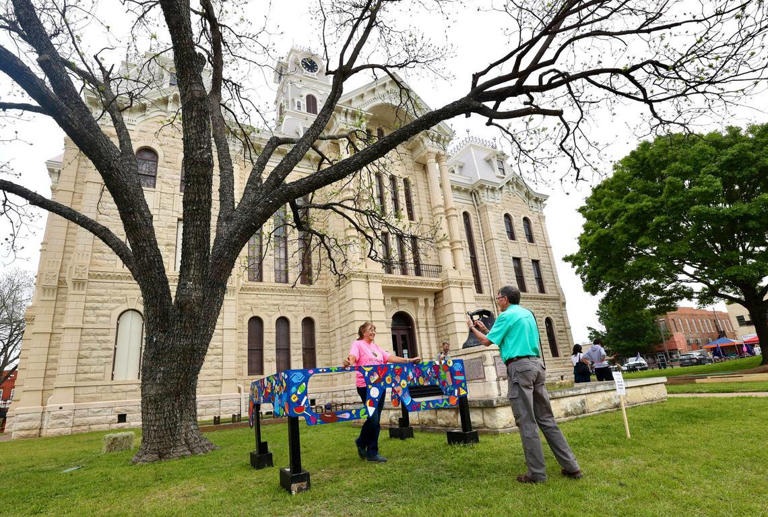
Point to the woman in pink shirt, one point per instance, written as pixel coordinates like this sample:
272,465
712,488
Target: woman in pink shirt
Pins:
364,352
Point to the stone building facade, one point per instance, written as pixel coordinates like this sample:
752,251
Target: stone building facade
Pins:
80,363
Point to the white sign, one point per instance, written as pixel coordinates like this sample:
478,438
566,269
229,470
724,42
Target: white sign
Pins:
619,380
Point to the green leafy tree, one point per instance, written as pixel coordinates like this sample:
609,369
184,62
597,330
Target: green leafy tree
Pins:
630,326
684,216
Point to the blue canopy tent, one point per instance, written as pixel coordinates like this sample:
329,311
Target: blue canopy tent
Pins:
720,343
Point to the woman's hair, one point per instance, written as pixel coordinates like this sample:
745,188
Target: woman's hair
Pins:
363,328
576,349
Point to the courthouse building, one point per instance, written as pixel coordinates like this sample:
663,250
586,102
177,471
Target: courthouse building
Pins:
81,355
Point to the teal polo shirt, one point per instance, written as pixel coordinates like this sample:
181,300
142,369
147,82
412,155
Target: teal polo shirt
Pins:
515,332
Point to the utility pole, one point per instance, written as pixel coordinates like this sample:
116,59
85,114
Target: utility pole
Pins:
720,331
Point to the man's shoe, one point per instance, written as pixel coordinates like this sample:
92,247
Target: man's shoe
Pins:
573,475
360,450
378,458
524,478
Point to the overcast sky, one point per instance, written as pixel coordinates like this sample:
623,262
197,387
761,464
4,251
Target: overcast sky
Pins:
474,36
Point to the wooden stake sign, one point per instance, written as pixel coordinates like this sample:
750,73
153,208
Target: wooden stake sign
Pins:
621,389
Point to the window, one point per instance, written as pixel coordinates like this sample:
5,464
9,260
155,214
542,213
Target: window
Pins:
308,354
311,104
401,255
528,230
298,105
181,180
500,165
472,253
743,321
255,258
394,195
537,275
281,246
283,344
179,239
380,193
674,322
146,162
508,226
379,133
551,337
173,80
255,346
408,199
518,266
386,251
305,246
126,362
416,257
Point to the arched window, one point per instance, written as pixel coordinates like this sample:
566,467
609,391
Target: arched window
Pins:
283,344
255,346
126,363
394,195
472,253
305,245
408,199
528,230
508,225
298,105
380,193
255,258
308,354
281,246
311,104
146,161
551,338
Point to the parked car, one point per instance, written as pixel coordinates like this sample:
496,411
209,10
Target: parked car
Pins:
693,359
634,365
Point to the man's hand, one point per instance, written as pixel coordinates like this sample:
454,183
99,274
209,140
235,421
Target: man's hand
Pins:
479,325
416,359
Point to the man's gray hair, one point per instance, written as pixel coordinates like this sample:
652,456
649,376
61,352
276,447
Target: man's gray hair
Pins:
511,293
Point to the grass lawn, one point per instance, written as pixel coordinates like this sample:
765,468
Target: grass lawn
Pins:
686,457
717,387
733,365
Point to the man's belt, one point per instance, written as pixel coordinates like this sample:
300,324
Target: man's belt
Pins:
513,359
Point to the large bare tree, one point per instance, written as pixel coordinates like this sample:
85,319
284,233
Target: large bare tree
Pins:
561,60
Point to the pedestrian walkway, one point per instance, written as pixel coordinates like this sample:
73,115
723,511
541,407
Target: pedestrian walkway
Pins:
736,394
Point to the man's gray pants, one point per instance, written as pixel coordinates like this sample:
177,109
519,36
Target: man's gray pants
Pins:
530,405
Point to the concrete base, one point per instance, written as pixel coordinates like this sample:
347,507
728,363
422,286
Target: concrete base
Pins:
294,483
462,438
402,433
494,415
260,460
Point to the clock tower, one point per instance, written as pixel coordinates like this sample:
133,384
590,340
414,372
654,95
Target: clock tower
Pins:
302,88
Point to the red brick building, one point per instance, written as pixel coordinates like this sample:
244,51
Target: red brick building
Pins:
6,395
691,329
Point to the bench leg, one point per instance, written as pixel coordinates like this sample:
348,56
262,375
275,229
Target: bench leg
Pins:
294,479
261,457
466,435
404,430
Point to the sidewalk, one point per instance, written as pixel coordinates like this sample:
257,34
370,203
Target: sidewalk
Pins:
742,394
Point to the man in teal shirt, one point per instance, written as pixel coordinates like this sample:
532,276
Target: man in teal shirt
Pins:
517,336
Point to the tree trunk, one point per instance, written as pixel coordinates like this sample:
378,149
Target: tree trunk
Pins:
758,313
169,395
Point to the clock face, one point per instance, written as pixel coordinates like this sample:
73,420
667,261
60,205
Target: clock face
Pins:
309,65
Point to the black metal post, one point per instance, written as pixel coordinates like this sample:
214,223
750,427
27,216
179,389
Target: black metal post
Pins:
404,429
261,457
466,435
293,478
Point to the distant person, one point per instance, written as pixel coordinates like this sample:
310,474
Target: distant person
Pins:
364,352
581,371
517,335
597,356
443,356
